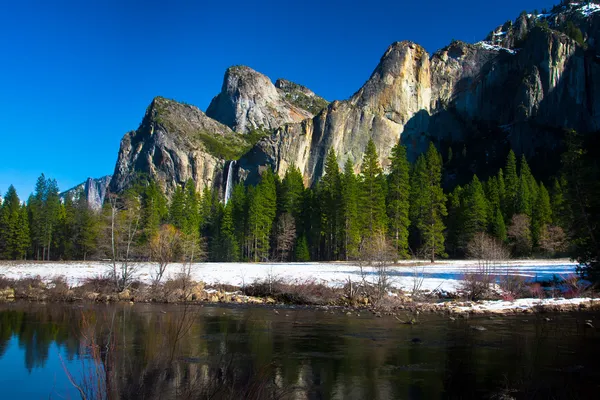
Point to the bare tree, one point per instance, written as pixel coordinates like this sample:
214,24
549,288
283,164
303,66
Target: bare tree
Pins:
553,239
519,233
124,217
489,253
192,250
285,236
164,247
377,254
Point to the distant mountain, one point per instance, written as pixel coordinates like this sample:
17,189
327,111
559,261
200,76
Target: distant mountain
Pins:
94,189
520,88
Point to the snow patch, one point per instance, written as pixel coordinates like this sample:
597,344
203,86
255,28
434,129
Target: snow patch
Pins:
589,9
489,46
442,276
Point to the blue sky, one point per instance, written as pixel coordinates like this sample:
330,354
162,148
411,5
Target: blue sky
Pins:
76,75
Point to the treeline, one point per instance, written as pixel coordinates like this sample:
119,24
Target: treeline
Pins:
280,219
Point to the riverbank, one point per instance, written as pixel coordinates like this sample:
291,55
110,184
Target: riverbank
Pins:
337,286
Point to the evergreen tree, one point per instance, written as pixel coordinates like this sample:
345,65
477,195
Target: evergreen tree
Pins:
191,211
398,199
475,210
511,180
239,215
177,214
210,217
498,226
9,224
455,233
35,206
429,203
350,214
86,228
501,187
292,191
527,192
51,213
372,194
22,242
261,214
154,210
542,215
229,247
302,253
329,189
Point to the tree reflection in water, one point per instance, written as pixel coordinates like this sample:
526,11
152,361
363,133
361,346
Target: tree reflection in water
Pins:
189,352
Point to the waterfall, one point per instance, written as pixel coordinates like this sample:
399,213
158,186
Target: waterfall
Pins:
229,184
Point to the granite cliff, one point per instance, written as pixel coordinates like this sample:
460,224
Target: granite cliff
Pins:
520,88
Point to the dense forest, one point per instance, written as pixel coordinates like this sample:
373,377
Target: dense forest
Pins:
281,220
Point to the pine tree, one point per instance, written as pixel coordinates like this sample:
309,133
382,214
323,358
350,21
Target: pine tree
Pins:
498,226
302,253
22,242
154,210
398,199
430,204
292,191
229,246
455,220
191,211
329,192
350,215
475,210
177,216
418,199
501,187
511,180
542,215
261,214
524,202
9,224
372,194
86,228
52,215
528,189
239,214
35,206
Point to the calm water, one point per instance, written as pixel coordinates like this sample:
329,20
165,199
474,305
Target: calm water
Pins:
158,352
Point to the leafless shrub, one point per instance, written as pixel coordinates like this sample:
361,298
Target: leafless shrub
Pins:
519,234
553,240
513,286
376,254
574,286
165,246
418,276
99,284
489,253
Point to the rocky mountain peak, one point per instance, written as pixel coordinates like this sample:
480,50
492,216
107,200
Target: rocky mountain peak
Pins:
176,142
249,101
400,85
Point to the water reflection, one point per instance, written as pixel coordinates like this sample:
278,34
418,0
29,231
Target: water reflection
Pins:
158,352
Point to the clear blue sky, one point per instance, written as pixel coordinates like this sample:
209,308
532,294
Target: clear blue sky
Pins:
76,75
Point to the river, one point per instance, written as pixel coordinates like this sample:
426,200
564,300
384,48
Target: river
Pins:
171,351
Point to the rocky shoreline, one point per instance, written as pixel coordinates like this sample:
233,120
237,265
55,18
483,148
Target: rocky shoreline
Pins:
334,300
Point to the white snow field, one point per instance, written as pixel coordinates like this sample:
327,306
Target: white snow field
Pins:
443,275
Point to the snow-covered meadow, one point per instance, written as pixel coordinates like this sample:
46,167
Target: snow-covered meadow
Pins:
443,275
